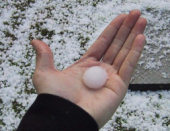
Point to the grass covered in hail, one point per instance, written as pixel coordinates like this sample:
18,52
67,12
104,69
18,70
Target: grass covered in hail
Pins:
70,27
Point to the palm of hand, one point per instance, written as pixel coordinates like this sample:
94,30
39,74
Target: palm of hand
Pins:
102,103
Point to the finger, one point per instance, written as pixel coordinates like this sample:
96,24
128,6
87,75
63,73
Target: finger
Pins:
104,40
130,61
121,36
44,56
138,29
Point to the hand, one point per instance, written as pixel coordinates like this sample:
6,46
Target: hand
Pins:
119,46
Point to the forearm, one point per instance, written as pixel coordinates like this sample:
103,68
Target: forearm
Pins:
53,113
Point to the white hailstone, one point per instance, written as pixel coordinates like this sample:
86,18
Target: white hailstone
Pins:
95,77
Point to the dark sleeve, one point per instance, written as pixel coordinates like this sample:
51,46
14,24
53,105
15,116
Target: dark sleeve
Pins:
53,113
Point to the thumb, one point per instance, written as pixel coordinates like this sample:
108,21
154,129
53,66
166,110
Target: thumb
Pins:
44,56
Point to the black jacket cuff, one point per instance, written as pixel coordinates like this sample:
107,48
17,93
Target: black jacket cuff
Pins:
53,113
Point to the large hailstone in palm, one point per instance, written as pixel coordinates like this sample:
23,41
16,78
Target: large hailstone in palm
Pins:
95,77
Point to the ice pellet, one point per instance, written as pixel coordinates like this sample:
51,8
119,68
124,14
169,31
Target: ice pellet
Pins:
95,77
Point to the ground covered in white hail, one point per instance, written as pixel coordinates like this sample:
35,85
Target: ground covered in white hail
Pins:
70,27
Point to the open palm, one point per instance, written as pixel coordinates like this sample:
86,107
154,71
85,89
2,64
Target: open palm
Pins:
117,50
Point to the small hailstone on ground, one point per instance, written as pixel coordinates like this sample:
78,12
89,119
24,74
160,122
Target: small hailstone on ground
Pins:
95,77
